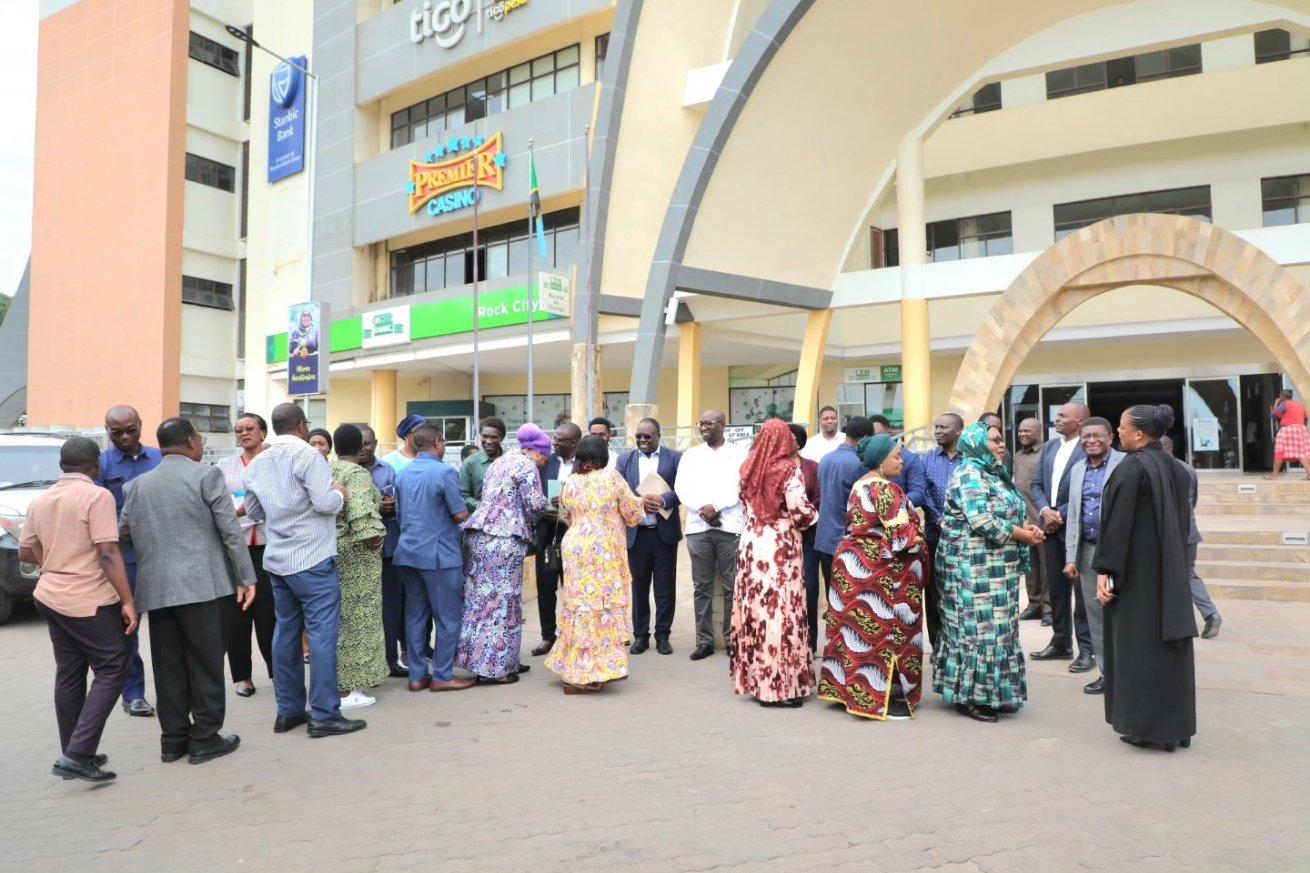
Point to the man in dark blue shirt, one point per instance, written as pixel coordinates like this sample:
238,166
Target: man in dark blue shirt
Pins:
938,465
393,593
429,557
122,462
838,472
914,482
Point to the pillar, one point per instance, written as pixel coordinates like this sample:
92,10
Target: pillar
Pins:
811,368
635,413
382,407
689,410
586,400
916,348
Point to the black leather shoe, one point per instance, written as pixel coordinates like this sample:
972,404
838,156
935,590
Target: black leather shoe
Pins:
66,768
100,759
139,707
1033,611
223,746
543,647
1046,621
1053,653
334,726
1097,687
1084,662
639,646
662,646
168,756
284,723
702,652
398,672
975,712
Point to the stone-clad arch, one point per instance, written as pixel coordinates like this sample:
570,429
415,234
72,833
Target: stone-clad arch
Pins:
1183,253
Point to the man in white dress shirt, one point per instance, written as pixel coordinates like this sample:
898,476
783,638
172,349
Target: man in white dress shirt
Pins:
828,437
708,485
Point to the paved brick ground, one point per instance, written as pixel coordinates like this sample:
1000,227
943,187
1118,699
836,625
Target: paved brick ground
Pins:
671,771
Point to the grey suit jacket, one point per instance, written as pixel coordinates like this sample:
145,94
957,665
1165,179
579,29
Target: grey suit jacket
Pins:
189,549
1073,527
1193,535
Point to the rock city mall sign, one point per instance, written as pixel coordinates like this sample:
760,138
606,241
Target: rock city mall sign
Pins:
445,184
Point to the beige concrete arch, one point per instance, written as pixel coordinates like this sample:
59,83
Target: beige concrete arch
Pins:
1189,255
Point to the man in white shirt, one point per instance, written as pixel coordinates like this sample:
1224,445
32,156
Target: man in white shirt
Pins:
709,486
826,439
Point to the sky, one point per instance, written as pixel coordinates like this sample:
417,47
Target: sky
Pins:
18,19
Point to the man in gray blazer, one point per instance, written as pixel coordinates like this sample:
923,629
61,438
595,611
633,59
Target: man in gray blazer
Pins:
1082,529
1200,594
191,558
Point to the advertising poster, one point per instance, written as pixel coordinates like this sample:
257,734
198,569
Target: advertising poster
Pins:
307,350
286,120
1205,434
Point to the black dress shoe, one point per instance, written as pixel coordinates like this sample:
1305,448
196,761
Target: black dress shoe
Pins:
792,703
1033,611
67,768
977,713
662,646
100,759
223,746
1046,621
139,708
284,723
702,652
398,672
543,647
639,646
168,756
1097,687
1084,662
332,727
1052,653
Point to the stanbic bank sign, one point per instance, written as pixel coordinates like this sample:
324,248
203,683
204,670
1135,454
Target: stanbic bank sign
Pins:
447,20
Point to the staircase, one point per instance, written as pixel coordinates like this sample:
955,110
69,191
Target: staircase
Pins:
1257,537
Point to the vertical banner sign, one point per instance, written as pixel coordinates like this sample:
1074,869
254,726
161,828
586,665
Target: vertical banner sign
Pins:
286,120
307,339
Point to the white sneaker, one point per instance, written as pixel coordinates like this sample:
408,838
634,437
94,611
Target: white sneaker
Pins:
357,700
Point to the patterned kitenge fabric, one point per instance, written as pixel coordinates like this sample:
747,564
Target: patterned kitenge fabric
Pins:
979,563
495,542
596,597
770,646
875,603
361,650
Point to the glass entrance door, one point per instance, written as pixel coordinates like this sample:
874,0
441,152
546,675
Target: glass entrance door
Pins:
1055,396
1214,423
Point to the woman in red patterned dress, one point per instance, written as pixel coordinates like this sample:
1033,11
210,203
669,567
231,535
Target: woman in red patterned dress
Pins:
873,662
770,647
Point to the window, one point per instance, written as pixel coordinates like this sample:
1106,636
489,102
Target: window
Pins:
978,236
530,81
241,309
216,55
245,85
1279,45
1183,60
207,292
1177,201
210,172
245,187
985,99
1286,200
208,417
502,251
602,49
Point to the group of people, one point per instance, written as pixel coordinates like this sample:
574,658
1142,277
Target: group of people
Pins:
366,568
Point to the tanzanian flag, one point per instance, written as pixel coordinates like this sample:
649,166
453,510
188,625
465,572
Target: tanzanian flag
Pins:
534,204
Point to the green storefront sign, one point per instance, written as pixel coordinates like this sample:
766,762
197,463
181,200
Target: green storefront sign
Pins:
502,308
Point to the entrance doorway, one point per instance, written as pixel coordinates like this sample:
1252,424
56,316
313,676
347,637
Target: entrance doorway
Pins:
1110,399
1258,394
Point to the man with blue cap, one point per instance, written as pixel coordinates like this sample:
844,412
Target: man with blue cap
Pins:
405,452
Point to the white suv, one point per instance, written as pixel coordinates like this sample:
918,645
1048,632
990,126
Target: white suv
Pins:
29,465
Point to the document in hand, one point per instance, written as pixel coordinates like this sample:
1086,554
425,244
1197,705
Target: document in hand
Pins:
654,485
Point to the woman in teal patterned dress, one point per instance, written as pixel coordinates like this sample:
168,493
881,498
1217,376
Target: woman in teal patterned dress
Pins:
361,650
983,550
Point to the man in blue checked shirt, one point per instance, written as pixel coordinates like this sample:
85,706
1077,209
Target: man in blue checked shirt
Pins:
938,465
393,592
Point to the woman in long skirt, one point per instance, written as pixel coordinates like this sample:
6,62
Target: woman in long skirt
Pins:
496,538
873,662
770,650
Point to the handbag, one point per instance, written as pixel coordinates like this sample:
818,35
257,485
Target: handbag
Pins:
551,559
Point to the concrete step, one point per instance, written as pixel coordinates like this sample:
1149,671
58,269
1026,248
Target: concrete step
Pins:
1246,590
1240,537
1271,509
1210,550
1232,498
1236,485
1270,571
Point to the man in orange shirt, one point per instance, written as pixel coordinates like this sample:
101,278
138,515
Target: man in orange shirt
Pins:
72,532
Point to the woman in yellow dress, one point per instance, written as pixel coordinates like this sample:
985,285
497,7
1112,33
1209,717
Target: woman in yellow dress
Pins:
596,597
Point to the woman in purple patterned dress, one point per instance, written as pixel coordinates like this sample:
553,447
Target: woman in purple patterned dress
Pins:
496,541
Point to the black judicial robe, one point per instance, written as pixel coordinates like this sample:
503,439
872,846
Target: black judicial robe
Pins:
1150,678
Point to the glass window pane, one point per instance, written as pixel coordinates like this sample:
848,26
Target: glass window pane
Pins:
566,80
417,131
567,56
436,273
399,119
543,87
457,269
1059,80
1284,186
1001,245
495,82
566,246
518,257
519,74
437,105
497,261
418,273
454,117
544,65
476,108
1150,65
1129,203
1185,57
519,95
1280,213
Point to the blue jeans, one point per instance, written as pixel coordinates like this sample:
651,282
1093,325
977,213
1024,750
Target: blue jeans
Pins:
135,689
308,601
439,595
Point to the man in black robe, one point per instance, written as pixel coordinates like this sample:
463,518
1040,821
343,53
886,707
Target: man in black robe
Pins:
1141,559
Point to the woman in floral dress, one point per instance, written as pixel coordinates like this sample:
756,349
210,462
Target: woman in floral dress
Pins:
770,646
983,551
594,627
496,538
873,662
361,650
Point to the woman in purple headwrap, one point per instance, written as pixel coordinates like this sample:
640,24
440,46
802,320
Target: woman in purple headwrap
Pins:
496,541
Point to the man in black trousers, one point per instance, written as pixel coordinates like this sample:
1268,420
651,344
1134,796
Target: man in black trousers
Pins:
551,529
653,543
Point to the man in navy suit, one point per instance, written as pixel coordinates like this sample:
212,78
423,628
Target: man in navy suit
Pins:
551,529
653,543
1051,499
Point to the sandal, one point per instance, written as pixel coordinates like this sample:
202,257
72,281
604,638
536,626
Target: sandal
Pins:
589,688
246,691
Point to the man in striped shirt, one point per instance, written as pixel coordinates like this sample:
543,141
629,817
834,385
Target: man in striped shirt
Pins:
289,488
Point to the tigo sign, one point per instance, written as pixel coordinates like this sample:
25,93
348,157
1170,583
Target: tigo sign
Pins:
443,185
446,21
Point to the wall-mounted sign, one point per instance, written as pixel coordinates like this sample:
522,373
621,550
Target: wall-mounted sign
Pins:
286,120
384,327
1205,434
307,371
444,184
885,373
553,294
446,21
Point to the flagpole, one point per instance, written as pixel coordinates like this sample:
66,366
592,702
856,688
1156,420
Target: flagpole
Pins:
531,301
477,407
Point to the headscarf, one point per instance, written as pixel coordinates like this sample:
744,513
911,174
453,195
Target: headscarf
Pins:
768,466
975,452
408,423
873,450
532,437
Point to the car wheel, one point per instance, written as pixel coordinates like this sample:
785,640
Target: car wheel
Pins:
6,606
